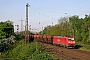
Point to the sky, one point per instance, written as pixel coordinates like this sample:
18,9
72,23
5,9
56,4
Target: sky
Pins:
41,12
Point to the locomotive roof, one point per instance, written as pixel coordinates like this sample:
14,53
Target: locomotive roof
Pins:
59,36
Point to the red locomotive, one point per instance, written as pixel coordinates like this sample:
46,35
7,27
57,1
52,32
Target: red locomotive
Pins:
66,41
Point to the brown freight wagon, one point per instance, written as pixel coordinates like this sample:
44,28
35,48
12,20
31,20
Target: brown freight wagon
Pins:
50,39
44,39
41,38
29,38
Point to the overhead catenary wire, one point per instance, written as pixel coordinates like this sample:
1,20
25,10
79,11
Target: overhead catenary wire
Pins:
49,9
43,14
73,12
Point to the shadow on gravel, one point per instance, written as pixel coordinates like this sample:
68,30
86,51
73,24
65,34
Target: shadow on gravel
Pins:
78,46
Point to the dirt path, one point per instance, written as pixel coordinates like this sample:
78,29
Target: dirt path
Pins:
67,54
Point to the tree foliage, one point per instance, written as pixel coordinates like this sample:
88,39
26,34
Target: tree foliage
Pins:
6,29
78,27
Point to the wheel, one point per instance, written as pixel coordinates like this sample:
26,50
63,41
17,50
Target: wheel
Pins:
64,46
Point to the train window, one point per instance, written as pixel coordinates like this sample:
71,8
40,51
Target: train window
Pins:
70,38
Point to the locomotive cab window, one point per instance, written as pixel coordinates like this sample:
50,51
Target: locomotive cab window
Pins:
70,38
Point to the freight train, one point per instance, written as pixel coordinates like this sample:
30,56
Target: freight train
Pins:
66,41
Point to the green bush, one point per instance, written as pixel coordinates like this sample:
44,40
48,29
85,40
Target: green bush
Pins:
30,51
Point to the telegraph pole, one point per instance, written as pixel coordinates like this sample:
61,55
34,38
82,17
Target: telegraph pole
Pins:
27,5
26,26
21,24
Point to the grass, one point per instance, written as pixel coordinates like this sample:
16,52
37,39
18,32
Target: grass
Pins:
85,47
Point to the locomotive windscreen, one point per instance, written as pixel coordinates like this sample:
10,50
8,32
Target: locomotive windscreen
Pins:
70,38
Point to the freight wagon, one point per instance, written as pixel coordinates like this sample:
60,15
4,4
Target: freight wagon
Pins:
29,38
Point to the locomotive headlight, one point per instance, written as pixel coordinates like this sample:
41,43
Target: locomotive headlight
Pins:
73,41
69,42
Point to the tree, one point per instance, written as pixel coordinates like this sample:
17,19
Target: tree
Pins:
6,29
78,27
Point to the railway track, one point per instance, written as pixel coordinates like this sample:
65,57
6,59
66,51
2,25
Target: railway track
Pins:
67,54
